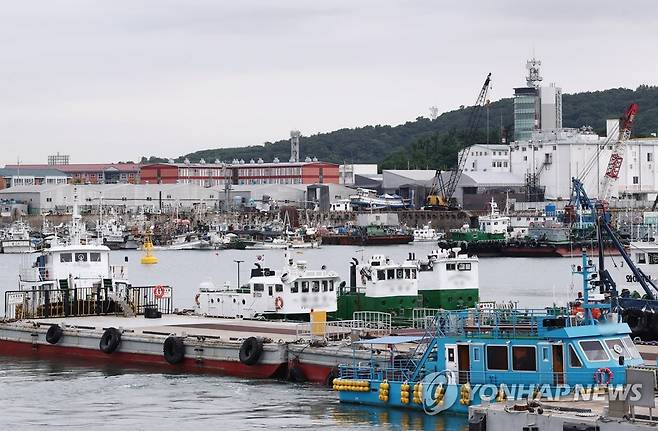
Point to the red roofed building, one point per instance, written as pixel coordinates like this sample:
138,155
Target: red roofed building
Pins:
213,174
92,173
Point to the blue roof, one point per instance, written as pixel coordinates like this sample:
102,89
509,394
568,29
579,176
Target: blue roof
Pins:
392,339
32,172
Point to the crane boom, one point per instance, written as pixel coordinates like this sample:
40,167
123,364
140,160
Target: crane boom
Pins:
617,156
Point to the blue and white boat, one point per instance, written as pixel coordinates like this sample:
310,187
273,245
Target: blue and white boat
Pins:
365,198
482,355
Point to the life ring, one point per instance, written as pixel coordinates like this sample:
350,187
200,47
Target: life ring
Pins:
110,340
158,292
278,303
54,334
603,376
174,350
196,299
251,350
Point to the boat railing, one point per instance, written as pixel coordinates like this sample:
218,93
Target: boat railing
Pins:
340,330
86,301
378,323
501,323
424,318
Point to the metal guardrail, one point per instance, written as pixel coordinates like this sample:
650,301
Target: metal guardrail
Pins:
85,301
377,322
332,330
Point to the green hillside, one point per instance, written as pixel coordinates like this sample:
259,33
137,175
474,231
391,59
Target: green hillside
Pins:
426,143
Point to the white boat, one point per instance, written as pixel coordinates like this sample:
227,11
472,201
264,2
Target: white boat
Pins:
292,292
426,234
70,272
190,241
366,198
449,279
494,222
17,238
112,233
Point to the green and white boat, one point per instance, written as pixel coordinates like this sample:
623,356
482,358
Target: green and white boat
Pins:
449,280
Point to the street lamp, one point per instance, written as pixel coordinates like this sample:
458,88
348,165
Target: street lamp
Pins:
238,262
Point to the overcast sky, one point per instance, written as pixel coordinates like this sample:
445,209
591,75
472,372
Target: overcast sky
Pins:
116,79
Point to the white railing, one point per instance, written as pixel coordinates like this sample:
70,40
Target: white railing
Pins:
333,330
376,322
28,273
424,318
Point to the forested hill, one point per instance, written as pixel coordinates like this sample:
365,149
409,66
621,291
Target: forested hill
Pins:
426,143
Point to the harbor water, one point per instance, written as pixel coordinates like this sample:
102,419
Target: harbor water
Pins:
49,394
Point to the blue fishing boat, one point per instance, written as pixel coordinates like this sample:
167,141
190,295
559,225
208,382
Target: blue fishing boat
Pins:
473,356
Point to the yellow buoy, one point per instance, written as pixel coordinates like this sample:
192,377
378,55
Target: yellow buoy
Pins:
148,258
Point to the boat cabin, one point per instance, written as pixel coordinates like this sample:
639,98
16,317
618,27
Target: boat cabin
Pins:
382,277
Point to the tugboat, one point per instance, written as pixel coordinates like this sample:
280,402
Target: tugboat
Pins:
292,293
380,285
472,356
449,280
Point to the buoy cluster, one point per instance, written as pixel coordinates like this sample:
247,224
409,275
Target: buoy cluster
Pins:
383,391
351,385
465,394
439,394
404,393
418,393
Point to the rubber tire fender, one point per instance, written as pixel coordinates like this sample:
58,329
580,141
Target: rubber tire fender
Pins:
173,349
54,334
251,350
110,340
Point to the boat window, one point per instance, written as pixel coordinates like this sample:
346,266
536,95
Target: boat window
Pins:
497,358
81,257
381,275
450,266
331,285
413,274
407,273
594,350
94,257
325,285
630,347
545,354
617,348
66,257
640,258
653,258
476,353
304,286
294,288
390,274
316,286
259,287
524,358
278,287
464,267
400,273
574,360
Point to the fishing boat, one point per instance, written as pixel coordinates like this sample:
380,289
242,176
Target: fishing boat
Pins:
17,238
426,234
468,357
292,292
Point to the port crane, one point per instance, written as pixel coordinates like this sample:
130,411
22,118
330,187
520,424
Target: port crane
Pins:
441,191
617,156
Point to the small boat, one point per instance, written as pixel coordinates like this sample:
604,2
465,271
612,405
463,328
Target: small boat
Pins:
426,234
369,199
292,292
17,239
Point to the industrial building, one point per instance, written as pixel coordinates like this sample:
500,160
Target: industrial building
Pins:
89,173
22,176
239,172
169,197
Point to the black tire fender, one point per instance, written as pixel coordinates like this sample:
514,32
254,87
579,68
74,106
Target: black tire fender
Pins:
110,340
251,350
54,334
173,349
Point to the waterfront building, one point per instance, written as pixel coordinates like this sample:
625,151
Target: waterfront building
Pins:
239,172
23,176
90,173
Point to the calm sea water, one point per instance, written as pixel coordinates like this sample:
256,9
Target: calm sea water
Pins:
44,395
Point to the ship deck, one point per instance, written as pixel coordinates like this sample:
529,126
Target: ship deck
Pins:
190,325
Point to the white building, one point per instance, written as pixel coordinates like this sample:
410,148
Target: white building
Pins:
488,158
347,172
